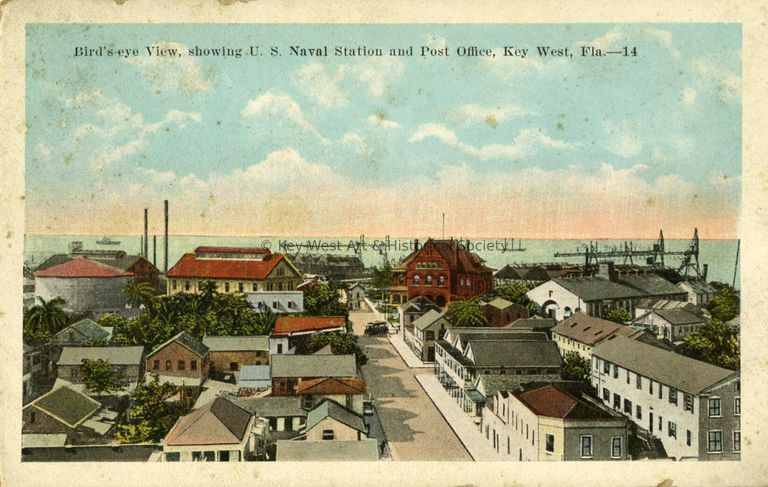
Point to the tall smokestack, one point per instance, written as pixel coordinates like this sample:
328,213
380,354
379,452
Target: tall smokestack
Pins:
141,245
165,266
146,233
154,250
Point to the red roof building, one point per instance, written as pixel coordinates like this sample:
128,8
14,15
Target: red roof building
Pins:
304,325
442,271
233,269
331,386
553,402
81,268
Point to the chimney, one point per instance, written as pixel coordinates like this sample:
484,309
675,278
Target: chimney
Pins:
154,250
146,233
165,266
605,271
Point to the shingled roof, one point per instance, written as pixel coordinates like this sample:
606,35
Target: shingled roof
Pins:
329,408
679,316
86,327
211,268
514,353
187,340
66,406
115,355
670,368
218,422
312,366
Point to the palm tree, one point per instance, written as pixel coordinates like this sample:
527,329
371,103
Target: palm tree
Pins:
466,313
139,293
47,318
264,320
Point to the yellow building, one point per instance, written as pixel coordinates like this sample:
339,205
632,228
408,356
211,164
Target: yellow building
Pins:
233,270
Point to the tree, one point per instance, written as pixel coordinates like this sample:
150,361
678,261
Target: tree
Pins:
99,378
111,321
575,367
466,313
153,415
265,320
726,306
44,320
341,344
715,343
324,301
514,292
139,293
618,315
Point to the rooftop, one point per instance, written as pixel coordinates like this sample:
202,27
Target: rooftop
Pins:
67,406
289,325
218,422
670,368
331,409
190,265
467,334
82,268
679,316
427,319
187,340
309,366
270,406
454,253
88,328
514,353
553,402
590,330
115,355
331,386
236,343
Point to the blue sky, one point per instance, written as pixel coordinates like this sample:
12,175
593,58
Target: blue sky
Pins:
535,147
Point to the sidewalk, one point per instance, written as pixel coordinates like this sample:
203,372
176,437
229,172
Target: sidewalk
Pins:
410,358
375,311
458,420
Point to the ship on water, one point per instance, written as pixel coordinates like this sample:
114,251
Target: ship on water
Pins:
108,241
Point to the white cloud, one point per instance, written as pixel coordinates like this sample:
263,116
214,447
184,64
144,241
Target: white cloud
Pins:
179,74
689,96
525,143
622,139
493,116
326,85
278,106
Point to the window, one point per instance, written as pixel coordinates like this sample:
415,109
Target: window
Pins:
715,441
167,365
156,365
173,284
606,367
606,394
186,285
615,371
416,280
737,441
441,280
688,400
173,456
638,412
226,287
181,365
597,360
586,446
430,335
193,364
639,381
279,348
253,286
737,406
240,286
616,401
715,411
32,417
672,429
224,454
661,424
233,366
550,444
628,407
627,376
673,396
616,442
661,388
429,280
688,437
650,386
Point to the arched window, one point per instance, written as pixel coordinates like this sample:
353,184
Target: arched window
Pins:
441,280
429,280
416,279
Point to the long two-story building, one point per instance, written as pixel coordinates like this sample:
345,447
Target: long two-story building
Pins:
693,407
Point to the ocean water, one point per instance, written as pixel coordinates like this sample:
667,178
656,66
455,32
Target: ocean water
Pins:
720,255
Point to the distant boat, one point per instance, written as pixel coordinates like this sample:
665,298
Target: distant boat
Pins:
108,241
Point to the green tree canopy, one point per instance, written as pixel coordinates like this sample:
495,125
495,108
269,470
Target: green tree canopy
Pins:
100,378
716,343
324,301
44,320
727,306
341,344
514,292
154,414
466,313
139,293
618,315
575,367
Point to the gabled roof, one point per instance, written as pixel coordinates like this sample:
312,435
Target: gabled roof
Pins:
699,286
290,325
595,288
667,367
553,402
535,323
679,316
455,254
254,373
514,353
501,304
427,319
115,355
327,386
236,343
120,261
590,330
211,268
651,284
80,268
270,406
86,327
328,451
420,304
66,406
331,409
465,335
310,366
187,340
218,422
